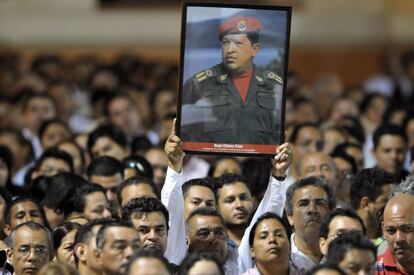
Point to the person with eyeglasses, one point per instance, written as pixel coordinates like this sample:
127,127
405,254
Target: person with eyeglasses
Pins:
31,248
335,224
206,231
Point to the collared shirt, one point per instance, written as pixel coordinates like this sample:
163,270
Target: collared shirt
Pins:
386,265
293,270
299,259
239,259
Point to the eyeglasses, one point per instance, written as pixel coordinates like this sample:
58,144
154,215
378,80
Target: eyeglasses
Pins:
340,233
40,251
205,233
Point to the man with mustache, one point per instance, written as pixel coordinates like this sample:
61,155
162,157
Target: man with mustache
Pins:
234,101
308,200
398,230
31,248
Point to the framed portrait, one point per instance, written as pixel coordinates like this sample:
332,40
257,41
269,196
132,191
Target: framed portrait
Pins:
233,78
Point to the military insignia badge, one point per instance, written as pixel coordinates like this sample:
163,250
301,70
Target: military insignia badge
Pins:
242,26
209,73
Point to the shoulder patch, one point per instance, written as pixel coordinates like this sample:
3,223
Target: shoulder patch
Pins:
204,75
273,76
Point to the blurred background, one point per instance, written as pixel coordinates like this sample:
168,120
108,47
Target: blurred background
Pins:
352,38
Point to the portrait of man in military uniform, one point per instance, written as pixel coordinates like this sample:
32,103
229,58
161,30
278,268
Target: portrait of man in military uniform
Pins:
235,101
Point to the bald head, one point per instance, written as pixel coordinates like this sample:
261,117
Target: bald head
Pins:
320,165
398,229
399,206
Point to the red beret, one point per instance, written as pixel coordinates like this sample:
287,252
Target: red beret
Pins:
239,24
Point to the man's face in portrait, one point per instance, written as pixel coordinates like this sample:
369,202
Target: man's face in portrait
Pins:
238,52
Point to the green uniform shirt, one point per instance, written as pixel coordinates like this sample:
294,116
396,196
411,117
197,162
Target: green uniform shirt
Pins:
213,111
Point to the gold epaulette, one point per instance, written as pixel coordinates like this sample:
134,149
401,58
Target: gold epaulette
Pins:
273,76
204,75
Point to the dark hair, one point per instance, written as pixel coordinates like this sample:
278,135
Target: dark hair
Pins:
267,216
112,98
213,166
144,205
346,157
296,129
309,181
256,172
349,240
139,164
341,148
140,144
137,180
407,58
32,95
54,152
338,212
412,153
205,182
61,231
368,183
18,136
22,199
388,129
392,109
354,128
367,101
75,201
85,231
191,259
5,195
229,179
409,117
320,267
104,166
142,253
80,150
110,131
37,188
101,235
205,212
59,187
45,125
7,157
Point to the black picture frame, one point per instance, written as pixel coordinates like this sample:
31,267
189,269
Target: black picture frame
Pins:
210,117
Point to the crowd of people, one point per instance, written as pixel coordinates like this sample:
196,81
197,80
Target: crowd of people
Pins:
94,179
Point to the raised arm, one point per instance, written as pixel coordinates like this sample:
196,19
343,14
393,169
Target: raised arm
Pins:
273,201
172,198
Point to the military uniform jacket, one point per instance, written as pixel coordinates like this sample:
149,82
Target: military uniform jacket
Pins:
213,110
